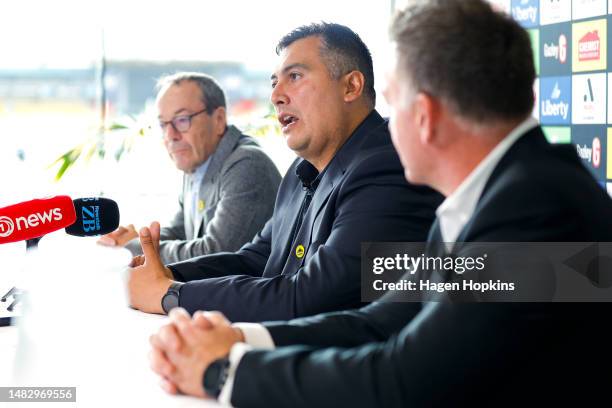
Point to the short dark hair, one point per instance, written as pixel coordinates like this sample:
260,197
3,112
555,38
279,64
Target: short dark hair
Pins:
477,60
342,50
213,96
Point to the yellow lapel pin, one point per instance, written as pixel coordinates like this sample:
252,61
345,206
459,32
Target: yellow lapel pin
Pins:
299,251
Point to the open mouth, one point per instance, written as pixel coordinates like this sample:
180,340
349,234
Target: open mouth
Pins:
287,121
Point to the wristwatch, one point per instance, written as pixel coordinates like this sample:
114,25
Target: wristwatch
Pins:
171,298
215,376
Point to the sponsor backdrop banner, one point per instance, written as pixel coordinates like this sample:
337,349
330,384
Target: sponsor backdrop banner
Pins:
573,93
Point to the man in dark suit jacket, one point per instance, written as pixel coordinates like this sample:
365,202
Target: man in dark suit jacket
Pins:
346,188
503,183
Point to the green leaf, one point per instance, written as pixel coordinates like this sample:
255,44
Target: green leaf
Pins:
117,126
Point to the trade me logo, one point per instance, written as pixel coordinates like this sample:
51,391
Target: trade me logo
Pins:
589,46
525,12
555,100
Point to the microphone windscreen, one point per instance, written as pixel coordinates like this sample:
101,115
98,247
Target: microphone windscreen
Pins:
95,216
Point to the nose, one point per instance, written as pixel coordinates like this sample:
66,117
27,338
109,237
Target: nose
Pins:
170,132
279,96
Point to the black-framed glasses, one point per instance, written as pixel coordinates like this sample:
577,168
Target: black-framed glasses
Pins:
180,123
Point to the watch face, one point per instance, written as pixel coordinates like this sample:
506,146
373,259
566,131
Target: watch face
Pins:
169,302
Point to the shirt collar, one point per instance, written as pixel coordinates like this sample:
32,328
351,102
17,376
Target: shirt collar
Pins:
198,175
456,210
308,174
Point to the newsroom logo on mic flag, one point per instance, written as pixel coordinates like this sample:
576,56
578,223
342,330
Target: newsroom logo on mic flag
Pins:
35,218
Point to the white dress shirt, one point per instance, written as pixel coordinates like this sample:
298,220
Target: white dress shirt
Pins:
195,181
458,208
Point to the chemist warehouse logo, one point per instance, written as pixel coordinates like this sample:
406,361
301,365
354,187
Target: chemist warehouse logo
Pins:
8,226
555,100
589,45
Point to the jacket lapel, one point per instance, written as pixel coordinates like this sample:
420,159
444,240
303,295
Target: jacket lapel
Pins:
534,139
332,177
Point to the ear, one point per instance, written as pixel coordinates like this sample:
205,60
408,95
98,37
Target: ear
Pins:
426,117
219,117
354,83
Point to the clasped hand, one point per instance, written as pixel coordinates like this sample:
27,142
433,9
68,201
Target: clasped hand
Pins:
185,347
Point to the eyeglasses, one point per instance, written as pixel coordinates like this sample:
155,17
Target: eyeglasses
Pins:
179,123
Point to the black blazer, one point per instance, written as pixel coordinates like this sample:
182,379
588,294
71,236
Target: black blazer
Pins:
361,196
443,354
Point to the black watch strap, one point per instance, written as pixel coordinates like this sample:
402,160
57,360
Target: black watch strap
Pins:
171,299
215,376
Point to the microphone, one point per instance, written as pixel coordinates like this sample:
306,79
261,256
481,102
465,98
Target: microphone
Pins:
95,216
35,218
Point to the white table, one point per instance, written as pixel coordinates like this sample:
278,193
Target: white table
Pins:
126,380
77,331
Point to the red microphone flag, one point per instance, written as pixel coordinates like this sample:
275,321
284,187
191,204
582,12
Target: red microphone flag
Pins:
35,218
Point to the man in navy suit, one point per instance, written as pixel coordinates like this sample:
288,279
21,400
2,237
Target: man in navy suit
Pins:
461,95
346,187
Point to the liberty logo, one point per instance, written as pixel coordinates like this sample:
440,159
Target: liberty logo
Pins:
557,108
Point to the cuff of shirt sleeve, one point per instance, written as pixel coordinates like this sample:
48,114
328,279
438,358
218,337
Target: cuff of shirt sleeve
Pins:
238,350
177,276
256,335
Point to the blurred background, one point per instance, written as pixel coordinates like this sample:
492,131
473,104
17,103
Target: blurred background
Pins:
77,79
